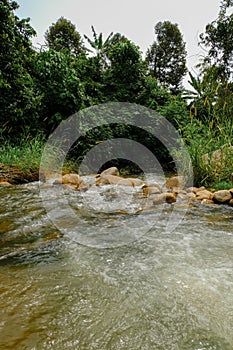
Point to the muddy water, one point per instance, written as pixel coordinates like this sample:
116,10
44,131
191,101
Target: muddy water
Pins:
162,290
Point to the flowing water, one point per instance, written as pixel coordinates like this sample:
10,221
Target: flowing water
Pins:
145,289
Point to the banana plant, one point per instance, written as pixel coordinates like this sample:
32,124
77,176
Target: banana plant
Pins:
98,45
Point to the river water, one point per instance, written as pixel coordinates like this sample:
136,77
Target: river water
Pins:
66,288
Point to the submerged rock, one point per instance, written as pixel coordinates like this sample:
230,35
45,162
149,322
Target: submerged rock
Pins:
152,189
166,197
207,202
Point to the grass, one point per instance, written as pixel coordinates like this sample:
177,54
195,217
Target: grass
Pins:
202,142
25,156
22,161
211,153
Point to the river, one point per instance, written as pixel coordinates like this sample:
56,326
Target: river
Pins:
151,289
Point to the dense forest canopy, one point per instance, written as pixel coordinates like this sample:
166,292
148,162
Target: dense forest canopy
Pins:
40,88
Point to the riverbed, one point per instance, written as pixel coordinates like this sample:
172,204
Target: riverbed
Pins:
116,278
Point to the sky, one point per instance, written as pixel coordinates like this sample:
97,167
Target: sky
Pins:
134,19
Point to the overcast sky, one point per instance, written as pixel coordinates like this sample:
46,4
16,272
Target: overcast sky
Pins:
134,19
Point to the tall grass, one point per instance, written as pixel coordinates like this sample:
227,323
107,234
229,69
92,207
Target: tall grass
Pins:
25,155
211,151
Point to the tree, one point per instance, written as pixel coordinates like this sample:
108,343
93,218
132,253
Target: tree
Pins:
98,44
18,101
62,35
116,38
123,78
58,83
218,38
166,58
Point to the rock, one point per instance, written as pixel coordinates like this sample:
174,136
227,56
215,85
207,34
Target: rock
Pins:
154,185
71,179
112,180
68,179
190,195
83,187
222,196
136,181
195,189
178,191
166,197
203,194
5,183
117,180
148,190
207,202
175,182
111,171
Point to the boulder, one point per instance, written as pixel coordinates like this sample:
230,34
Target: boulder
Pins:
195,189
182,195
112,180
136,181
117,180
68,179
222,196
71,179
148,190
178,191
203,194
175,182
111,171
82,187
5,183
166,197
190,195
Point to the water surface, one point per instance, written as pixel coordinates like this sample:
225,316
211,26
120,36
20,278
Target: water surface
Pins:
163,290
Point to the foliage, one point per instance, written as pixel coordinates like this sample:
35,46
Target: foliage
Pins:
40,89
18,102
175,111
62,35
26,155
123,78
210,150
166,58
152,95
218,38
58,84
99,46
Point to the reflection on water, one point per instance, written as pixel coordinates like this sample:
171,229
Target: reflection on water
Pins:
162,291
